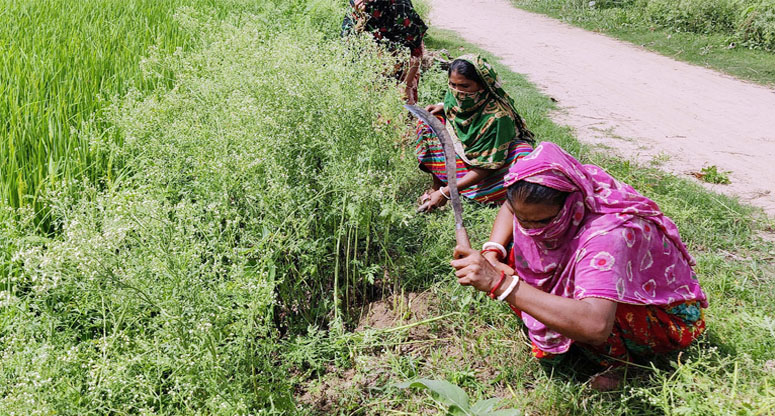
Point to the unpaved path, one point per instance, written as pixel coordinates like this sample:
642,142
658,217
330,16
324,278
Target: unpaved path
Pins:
648,107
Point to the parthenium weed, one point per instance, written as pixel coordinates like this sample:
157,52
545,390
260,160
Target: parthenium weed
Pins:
173,288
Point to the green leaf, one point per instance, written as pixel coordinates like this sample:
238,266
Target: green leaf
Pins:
456,411
505,412
485,406
447,392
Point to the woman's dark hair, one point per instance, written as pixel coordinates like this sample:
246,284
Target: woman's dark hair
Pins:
533,193
466,69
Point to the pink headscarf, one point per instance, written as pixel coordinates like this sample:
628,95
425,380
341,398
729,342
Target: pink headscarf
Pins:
608,241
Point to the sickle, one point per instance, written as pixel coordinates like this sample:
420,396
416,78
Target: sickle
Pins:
461,236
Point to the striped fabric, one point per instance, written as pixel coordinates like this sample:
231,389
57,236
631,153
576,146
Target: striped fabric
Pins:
430,154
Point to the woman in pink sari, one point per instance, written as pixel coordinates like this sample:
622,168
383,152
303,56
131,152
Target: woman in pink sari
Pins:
594,263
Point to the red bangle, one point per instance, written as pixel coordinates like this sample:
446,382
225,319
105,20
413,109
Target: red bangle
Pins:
516,311
491,250
492,291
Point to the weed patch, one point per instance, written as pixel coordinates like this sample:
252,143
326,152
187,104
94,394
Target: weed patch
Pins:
711,174
263,206
258,197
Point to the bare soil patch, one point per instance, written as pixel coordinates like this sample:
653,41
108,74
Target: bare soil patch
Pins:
431,348
398,309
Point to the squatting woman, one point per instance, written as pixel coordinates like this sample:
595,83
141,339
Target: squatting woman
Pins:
594,264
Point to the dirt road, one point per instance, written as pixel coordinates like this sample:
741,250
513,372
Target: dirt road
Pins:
646,106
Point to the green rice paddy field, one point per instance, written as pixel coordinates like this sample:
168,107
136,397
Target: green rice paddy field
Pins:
207,207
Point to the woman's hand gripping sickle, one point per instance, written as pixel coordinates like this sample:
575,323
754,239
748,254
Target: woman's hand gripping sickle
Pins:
472,269
435,109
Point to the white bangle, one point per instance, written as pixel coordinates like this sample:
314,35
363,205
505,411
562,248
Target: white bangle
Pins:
495,245
442,193
507,292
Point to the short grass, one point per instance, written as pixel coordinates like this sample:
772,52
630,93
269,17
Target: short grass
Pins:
720,51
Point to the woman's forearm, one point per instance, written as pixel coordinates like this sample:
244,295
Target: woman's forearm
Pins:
588,320
503,227
474,176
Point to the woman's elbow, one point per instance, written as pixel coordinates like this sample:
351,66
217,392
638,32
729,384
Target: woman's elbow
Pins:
598,321
598,338
597,332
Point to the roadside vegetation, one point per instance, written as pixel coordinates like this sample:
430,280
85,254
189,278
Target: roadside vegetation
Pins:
253,249
732,36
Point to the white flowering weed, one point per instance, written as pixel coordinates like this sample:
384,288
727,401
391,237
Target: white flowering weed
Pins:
252,187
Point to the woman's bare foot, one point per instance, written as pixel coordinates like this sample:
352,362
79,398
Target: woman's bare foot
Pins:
607,380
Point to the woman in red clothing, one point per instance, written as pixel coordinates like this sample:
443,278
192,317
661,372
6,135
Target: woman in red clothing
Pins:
398,24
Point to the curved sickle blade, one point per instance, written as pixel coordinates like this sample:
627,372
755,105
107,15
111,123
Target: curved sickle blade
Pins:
461,236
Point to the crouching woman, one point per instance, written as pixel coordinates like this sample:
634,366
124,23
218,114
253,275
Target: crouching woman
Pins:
593,263
489,135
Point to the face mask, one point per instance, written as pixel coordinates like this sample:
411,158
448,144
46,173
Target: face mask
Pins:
552,230
559,225
467,99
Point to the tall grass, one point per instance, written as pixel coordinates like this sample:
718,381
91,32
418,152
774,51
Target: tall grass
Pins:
260,193
61,62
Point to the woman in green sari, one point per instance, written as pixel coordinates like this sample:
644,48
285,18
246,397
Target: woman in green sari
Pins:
488,133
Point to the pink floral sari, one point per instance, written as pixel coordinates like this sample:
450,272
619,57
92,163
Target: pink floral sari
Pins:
608,241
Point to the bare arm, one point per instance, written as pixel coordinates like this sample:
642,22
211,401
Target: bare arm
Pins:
503,227
474,176
588,320
414,67
501,233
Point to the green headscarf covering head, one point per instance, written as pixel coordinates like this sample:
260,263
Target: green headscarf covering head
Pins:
485,122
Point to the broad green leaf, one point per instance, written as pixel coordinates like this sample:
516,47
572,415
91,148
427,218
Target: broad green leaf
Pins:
504,412
447,392
456,411
484,406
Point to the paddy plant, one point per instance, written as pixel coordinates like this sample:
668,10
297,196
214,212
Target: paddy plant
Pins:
61,65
